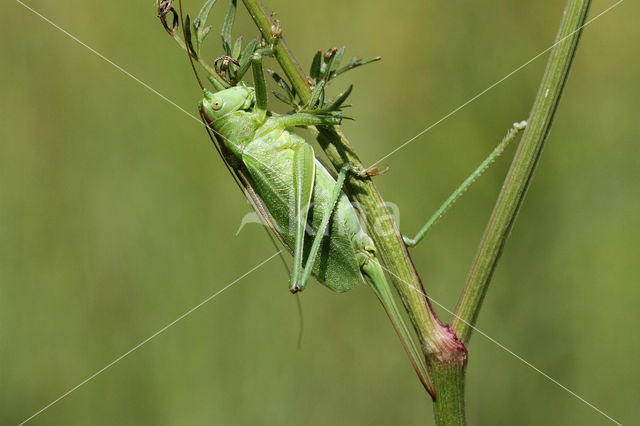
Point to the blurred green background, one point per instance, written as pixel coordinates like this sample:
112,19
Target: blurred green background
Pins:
116,217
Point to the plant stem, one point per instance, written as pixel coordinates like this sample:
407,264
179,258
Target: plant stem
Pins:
438,342
448,379
281,51
521,170
201,61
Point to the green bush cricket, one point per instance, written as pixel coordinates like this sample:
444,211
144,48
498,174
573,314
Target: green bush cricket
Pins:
298,198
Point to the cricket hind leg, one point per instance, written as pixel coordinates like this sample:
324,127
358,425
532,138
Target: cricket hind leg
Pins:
511,134
322,229
374,276
303,181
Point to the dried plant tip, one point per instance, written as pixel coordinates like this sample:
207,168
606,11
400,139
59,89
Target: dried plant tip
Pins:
225,60
329,53
221,66
164,8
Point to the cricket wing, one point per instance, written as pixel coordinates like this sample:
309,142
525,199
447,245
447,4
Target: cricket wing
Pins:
259,207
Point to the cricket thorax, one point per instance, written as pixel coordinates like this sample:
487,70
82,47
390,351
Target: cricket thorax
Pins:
236,130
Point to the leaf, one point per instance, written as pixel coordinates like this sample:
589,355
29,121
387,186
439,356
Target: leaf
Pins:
355,62
326,70
337,102
245,57
283,98
187,30
199,24
333,118
203,15
315,94
237,48
314,71
228,21
337,58
282,83
244,67
247,52
225,46
203,33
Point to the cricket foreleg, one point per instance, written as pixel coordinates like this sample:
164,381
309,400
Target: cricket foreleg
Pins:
511,134
260,87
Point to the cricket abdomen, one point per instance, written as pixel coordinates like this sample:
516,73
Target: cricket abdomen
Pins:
269,161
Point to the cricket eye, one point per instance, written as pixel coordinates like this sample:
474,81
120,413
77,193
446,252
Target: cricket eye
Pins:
216,104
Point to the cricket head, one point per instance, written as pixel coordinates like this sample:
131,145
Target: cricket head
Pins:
228,114
218,105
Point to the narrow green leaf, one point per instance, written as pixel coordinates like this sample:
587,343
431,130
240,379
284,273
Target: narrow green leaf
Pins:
200,24
337,58
355,62
204,32
244,67
197,34
225,46
368,61
203,15
283,98
200,34
337,102
333,118
247,52
227,26
314,71
237,48
318,89
282,83
187,28
328,65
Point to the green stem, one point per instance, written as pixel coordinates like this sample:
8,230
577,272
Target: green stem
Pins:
448,379
522,168
438,342
281,51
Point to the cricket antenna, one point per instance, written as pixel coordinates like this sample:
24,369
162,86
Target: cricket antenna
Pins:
187,44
